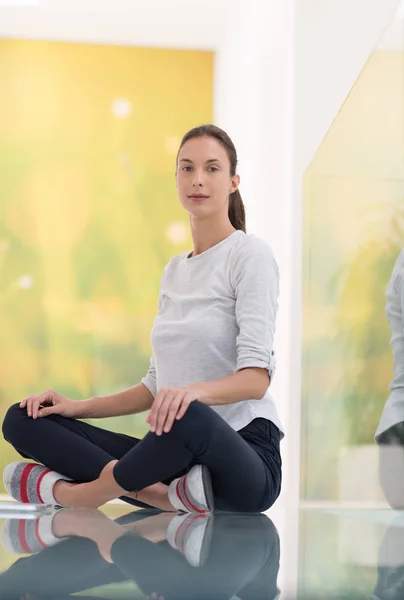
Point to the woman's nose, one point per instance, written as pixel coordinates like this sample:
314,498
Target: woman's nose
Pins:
198,179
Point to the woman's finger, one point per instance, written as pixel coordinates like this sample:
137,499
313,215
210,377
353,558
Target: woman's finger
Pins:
183,408
35,407
155,409
34,401
173,412
171,403
26,400
29,405
163,413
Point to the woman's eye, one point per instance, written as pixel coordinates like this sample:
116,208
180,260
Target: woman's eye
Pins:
187,169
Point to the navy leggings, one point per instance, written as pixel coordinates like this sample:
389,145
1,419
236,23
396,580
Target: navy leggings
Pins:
245,466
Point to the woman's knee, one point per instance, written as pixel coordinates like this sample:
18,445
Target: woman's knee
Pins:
12,420
196,418
198,409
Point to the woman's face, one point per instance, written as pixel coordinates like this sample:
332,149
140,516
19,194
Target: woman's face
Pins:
203,177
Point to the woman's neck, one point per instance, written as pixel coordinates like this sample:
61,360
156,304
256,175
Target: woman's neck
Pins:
203,240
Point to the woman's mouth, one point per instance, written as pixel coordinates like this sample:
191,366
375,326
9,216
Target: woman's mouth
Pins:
198,197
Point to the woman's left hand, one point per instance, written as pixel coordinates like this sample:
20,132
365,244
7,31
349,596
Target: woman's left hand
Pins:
170,404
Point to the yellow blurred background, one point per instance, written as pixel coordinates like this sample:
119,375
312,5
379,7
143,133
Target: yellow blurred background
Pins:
89,213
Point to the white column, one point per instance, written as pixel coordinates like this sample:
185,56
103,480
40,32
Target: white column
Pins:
254,104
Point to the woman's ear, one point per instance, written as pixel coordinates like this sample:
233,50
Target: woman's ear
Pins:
235,182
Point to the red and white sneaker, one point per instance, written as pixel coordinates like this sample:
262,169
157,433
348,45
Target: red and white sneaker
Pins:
31,483
192,493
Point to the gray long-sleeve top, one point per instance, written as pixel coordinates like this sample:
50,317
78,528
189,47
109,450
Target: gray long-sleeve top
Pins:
216,315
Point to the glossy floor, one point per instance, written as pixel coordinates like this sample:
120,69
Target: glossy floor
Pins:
118,553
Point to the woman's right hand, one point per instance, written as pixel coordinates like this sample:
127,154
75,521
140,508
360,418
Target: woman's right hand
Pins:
49,403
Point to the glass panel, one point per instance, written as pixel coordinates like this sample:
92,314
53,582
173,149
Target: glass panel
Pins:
353,233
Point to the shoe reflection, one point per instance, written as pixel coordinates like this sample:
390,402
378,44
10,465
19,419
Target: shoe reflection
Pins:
169,556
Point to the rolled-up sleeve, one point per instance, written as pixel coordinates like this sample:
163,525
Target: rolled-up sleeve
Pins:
150,379
255,277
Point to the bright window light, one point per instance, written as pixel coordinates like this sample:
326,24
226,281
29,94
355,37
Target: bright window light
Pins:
400,12
19,3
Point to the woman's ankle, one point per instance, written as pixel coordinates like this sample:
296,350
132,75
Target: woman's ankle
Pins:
155,495
61,491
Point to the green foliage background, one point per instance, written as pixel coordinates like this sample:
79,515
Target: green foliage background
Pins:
89,213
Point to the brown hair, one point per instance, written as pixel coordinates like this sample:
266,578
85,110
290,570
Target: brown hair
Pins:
236,206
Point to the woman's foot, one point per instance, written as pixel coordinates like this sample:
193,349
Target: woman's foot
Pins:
155,495
90,495
192,492
95,493
31,483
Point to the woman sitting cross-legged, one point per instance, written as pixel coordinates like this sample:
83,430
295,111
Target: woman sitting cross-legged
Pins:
214,435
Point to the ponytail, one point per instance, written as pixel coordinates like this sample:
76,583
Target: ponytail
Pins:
237,211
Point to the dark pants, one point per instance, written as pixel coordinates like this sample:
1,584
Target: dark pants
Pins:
243,560
245,466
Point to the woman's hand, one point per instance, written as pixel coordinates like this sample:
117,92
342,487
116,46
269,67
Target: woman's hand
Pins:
53,403
169,405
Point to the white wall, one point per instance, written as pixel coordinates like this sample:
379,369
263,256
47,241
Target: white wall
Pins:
334,39
193,24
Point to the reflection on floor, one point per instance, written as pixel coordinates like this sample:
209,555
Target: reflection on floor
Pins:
139,554
120,553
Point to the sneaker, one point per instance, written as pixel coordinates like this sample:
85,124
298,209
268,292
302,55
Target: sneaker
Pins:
31,483
192,492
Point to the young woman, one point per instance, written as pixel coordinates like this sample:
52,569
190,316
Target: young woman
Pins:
214,432
390,432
